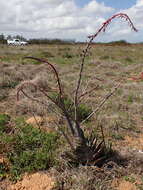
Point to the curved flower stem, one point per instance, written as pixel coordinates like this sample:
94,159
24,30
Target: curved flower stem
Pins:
54,70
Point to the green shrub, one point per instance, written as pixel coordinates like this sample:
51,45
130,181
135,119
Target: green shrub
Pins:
105,57
3,96
130,179
47,54
30,149
3,170
117,136
82,111
9,84
4,118
68,55
130,99
128,59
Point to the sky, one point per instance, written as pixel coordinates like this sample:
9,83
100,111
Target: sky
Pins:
118,4
71,19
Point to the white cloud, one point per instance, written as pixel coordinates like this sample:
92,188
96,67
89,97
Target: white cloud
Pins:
64,19
51,18
123,31
96,8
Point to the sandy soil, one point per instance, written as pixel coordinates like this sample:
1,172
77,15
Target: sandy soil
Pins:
37,181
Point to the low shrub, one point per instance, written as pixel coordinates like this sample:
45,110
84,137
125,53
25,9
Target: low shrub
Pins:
47,54
129,60
8,84
68,55
3,170
83,111
30,149
3,96
105,57
4,119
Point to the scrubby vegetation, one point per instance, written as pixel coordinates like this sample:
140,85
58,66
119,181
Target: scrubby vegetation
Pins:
26,149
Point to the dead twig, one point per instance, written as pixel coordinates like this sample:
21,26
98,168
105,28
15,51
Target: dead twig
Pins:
102,103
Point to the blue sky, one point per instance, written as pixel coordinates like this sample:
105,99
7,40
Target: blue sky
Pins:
118,4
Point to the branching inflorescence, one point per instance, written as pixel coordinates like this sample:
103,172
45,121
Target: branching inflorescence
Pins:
92,37
86,150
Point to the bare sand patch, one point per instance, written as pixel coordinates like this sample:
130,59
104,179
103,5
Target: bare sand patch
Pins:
36,181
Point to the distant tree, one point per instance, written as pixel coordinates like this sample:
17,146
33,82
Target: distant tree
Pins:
49,41
119,42
20,37
2,39
9,37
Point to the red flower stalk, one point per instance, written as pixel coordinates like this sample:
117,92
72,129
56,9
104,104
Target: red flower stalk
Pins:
85,51
107,22
54,71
